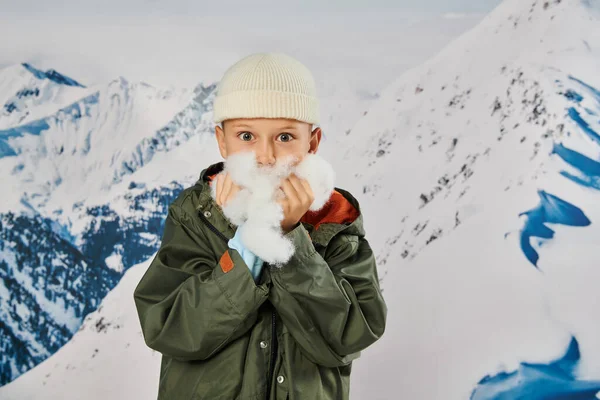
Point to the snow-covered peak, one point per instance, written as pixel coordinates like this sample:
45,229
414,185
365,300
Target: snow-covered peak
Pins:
533,31
499,80
52,75
27,93
88,145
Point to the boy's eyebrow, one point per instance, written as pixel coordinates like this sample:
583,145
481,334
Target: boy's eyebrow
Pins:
240,125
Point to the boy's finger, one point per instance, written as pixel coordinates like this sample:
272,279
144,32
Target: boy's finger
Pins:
303,195
308,189
289,190
232,193
284,203
219,186
226,188
235,185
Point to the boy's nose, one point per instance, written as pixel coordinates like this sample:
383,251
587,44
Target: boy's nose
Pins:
266,161
265,156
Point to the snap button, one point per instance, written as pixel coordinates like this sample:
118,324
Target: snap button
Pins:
280,378
263,344
207,214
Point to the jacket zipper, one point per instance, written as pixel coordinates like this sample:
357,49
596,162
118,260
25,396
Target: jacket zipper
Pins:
273,327
273,354
212,227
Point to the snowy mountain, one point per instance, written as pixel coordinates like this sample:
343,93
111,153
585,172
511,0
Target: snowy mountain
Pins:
344,103
507,90
107,357
486,163
50,280
26,91
91,144
479,176
79,212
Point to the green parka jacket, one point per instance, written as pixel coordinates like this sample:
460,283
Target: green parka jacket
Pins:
293,335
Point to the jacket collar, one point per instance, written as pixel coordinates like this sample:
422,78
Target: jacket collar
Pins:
341,213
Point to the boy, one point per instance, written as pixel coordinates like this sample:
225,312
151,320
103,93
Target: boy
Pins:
230,328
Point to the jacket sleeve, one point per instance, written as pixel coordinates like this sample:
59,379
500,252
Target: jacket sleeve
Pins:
190,305
332,305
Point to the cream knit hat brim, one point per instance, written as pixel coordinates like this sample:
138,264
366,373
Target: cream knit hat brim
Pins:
267,85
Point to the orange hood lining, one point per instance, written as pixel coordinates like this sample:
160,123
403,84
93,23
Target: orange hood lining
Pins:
337,210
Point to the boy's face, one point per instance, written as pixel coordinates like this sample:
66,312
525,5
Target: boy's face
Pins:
270,138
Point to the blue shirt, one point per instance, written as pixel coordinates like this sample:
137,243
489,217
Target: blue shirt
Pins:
253,262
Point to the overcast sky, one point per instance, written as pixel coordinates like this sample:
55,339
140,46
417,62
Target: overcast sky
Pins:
234,7
184,42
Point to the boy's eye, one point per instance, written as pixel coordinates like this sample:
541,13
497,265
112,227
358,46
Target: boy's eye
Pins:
244,135
247,136
286,135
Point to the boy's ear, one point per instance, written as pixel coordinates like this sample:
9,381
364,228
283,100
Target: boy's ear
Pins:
220,136
315,139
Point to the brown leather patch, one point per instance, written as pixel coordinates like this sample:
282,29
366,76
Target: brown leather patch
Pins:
226,262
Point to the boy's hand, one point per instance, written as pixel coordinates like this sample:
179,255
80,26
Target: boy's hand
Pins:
298,199
226,189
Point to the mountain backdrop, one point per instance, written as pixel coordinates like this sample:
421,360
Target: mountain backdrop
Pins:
478,173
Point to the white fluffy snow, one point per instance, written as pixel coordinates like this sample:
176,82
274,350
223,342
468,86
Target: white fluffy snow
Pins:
255,207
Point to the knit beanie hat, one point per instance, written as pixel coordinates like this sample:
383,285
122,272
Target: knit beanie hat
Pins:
267,85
